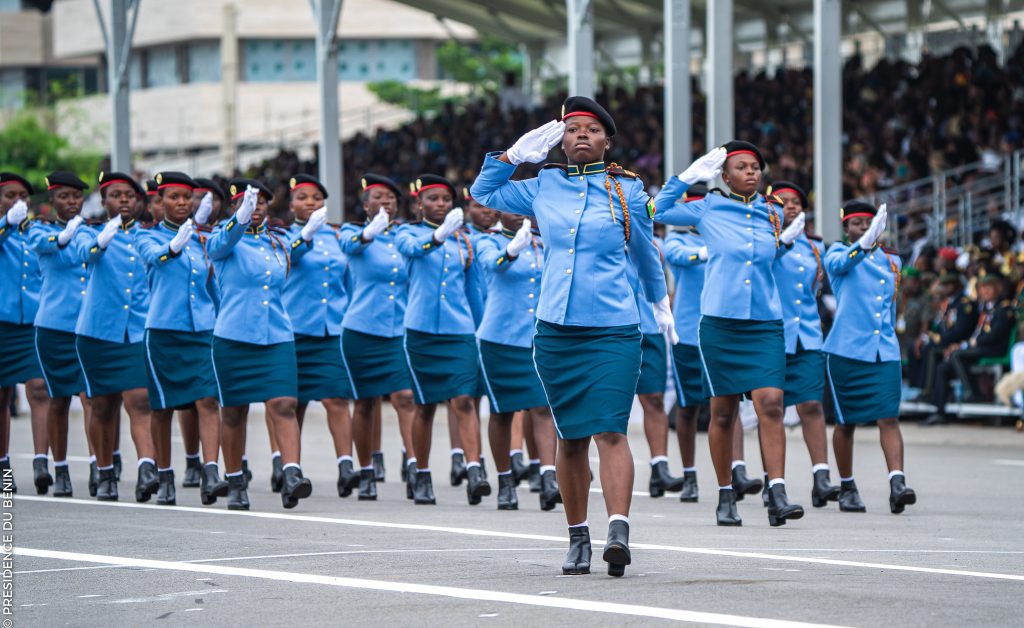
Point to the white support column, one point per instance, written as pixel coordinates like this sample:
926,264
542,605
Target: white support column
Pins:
828,121
580,29
325,14
720,104
678,99
229,89
118,42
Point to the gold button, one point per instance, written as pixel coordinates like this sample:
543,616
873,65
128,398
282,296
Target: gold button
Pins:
577,211
126,307
325,284
131,274
129,246
264,303
881,281
390,245
82,279
749,262
442,296
394,270
261,248
801,269
24,287
83,291
878,298
750,244
532,280
131,259
83,265
746,281
581,177
26,264
327,268
572,230
798,301
878,315
568,271
323,300
391,283
266,287
581,194
267,258
445,270
444,283
193,283
393,256
194,272
193,297
268,272
876,332
446,255
571,251
748,215
531,295
391,297
799,285
796,318
128,290
533,266
750,228
530,310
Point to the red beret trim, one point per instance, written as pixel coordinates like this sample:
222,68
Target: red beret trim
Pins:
201,190
434,185
858,214
742,152
307,183
180,185
106,183
150,192
781,190
237,196
580,113
16,181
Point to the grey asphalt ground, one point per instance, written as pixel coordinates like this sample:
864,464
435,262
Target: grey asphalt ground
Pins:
957,558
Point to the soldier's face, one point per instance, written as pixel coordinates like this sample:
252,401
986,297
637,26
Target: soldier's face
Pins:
435,204
67,202
742,173
856,226
10,194
177,203
306,200
119,198
512,222
380,198
481,215
584,140
988,291
791,206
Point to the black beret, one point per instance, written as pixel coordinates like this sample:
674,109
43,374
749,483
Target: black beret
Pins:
780,186
370,180
106,178
10,177
857,208
65,179
236,188
583,106
427,181
209,185
739,146
170,177
151,186
695,192
305,179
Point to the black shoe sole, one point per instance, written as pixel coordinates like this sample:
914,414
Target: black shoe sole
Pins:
144,493
425,502
861,509
780,520
43,484
107,499
617,557
655,492
898,506
730,524
367,498
164,503
230,507
688,500
579,571
56,494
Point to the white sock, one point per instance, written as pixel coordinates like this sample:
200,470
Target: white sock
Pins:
410,461
688,469
7,458
43,456
273,454
501,473
62,463
470,465
579,525
91,458
292,464
457,450
422,470
110,468
191,456
117,452
367,468
893,474
246,458
655,460
211,464
149,460
534,460
849,479
819,467
233,475
515,451
772,483
159,470
618,518
727,487
342,459
545,468
738,463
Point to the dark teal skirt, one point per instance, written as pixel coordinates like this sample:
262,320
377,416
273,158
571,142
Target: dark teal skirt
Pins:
738,356
510,378
375,363
687,375
179,367
59,361
250,373
322,370
442,366
589,376
653,365
111,367
19,363
805,377
864,392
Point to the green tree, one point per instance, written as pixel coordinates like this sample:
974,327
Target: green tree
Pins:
30,149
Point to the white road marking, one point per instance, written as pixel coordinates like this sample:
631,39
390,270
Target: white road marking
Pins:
425,589
528,537
1008,463
597,489
93,595
69,458
163,597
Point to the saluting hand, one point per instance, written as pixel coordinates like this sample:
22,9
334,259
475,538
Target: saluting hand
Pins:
666,322
376,226
17,213
109,231
536,144
793,231
520,240
870,237
702,253
69,231
205,209
705,168
316,220
181,238
248,206
452,222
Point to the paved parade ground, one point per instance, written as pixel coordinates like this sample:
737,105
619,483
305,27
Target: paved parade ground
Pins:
956,558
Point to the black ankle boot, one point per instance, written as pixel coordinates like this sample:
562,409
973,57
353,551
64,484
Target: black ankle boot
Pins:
550,495
507,499
743,485
117,466
294,487
42,478
246,473
410,478
477,486
276,474
7,475
211,486
94,478
824,490
61,481
900,496
423,491
106,486
764,492
405,467
458,473
577,559
616,548
662,480
483,466
519,469
166,495
193,477
726,512
849,498
367,485
348,478
533,477
779,508
690,490
378,466
238,497
148,482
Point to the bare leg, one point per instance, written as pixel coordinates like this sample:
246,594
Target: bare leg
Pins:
812,423
403,404
468,424
655,423
188,423
275,447
161,432
721,436
422,433
233,436
86,421
208,411
573,468
545,438
516,437
772,433
842,445
499,433
686,432
136,403
616,472
6,393
454,432
892,443
106,412
57,426
362,429
281,411
378,425
38,403
339,422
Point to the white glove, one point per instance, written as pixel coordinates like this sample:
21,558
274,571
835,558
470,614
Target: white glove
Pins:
666,322
535,145
702,253
452,221
248,206
205,209
706,168
793,231
69,231
316,220
181,238
377,225
870,237
520,240
109,231
17,213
